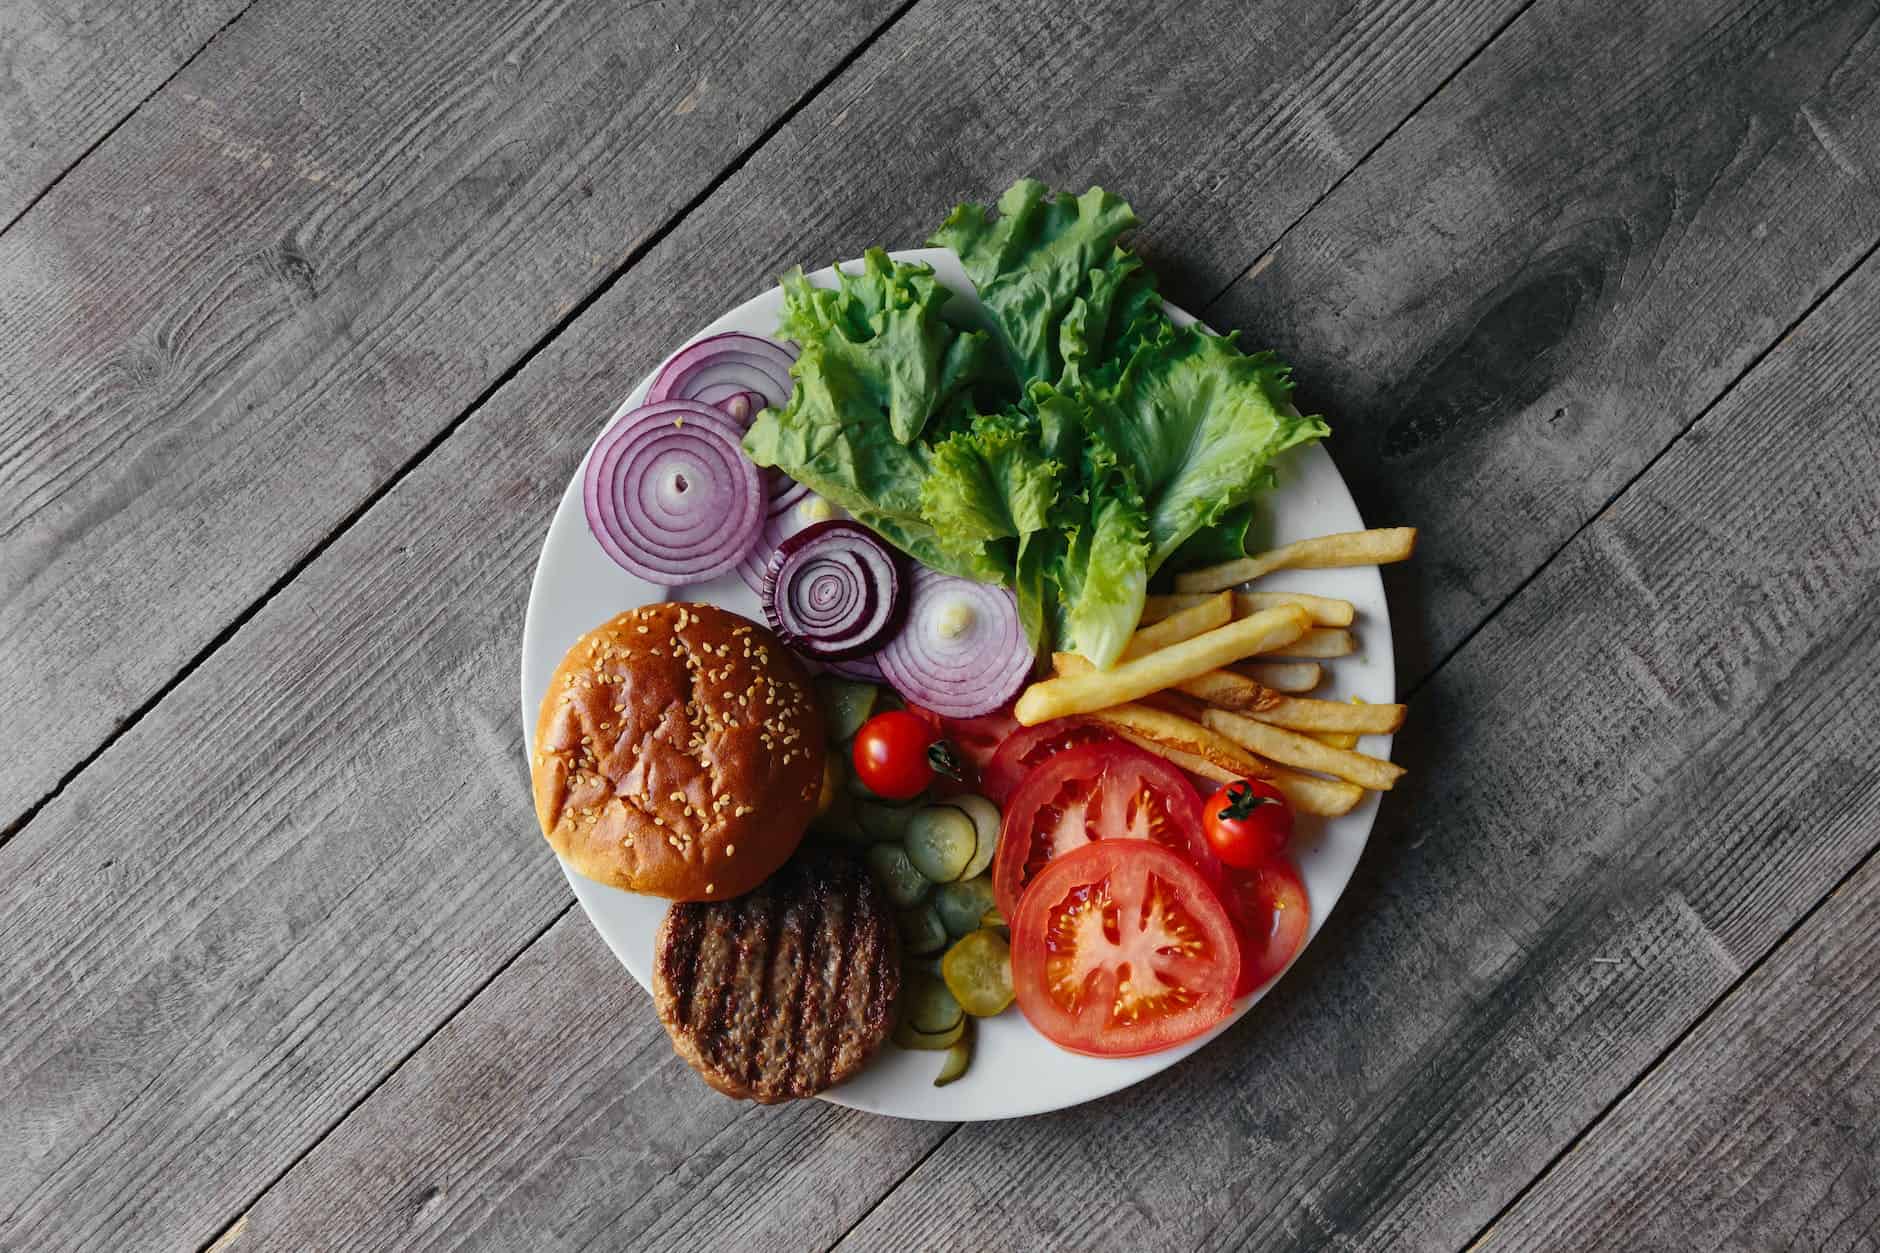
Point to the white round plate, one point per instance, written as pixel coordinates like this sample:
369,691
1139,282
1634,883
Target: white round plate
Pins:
1015,1070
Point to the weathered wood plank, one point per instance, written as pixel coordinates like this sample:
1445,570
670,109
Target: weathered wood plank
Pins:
70,72
1762,1131
292,269
1624,790
1534,286
553,1114
316,847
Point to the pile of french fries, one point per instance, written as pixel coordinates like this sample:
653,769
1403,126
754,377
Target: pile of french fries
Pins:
1214,679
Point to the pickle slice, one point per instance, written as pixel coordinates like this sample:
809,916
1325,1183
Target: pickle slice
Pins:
904,885
978,972
962,905
941,840
846,706
959,1056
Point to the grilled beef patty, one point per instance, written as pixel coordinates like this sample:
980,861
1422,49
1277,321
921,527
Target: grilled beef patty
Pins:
786,990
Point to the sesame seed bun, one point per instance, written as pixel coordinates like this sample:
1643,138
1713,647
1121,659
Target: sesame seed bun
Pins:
679,752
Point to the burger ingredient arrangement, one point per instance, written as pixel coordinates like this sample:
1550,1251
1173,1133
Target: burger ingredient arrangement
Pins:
934,513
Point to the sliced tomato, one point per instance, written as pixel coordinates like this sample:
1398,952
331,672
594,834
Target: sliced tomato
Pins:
1104,791
1121,947
1271,914
1025,747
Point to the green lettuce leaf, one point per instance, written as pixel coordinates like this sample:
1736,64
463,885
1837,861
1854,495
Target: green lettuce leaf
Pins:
883,325
874,363
991,481
1199,422
1034,262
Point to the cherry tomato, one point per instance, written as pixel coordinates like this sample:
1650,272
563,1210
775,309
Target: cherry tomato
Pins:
1120,947
1025,747
897,754
1248,821
1271,914
1106,791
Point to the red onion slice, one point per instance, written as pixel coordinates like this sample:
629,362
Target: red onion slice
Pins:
863,669
834,591
670,495
789,514
963,652
719,368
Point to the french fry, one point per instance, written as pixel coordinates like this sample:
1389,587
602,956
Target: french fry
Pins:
1306,793
1232,691
1182,705
1325,610
1193,763
1289,748
1283,676
1309,794
1317,642
1098,689
1205,614
1348,548
1329,716
1183,735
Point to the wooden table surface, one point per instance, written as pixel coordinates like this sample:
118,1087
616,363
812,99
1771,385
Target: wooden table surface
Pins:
308,308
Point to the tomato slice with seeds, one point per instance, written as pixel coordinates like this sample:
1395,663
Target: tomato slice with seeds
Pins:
1104,791
1271,913
1027,747
1120,947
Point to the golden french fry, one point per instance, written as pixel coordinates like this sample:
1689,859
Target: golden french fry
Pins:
1204,615
1309,794
1327,716
1231,691
1318,642
1183,735
1348,548
1099,689
1306,793
1193,763
1169,700
1289,748
1283,676
1325,610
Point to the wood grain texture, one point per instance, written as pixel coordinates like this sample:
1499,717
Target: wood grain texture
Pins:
1762,1131
70,72
292,269
1623,791
553,1114
309,854
1554,266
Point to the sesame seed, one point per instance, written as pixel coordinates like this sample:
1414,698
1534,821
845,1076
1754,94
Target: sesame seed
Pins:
730,850
710,888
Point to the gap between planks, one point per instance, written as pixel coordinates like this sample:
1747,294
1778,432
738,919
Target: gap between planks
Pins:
1259,263
633,259
1267,252
1665,1054
431,445
79,160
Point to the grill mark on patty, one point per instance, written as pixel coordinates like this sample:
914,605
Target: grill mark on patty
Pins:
801,922
813,1027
